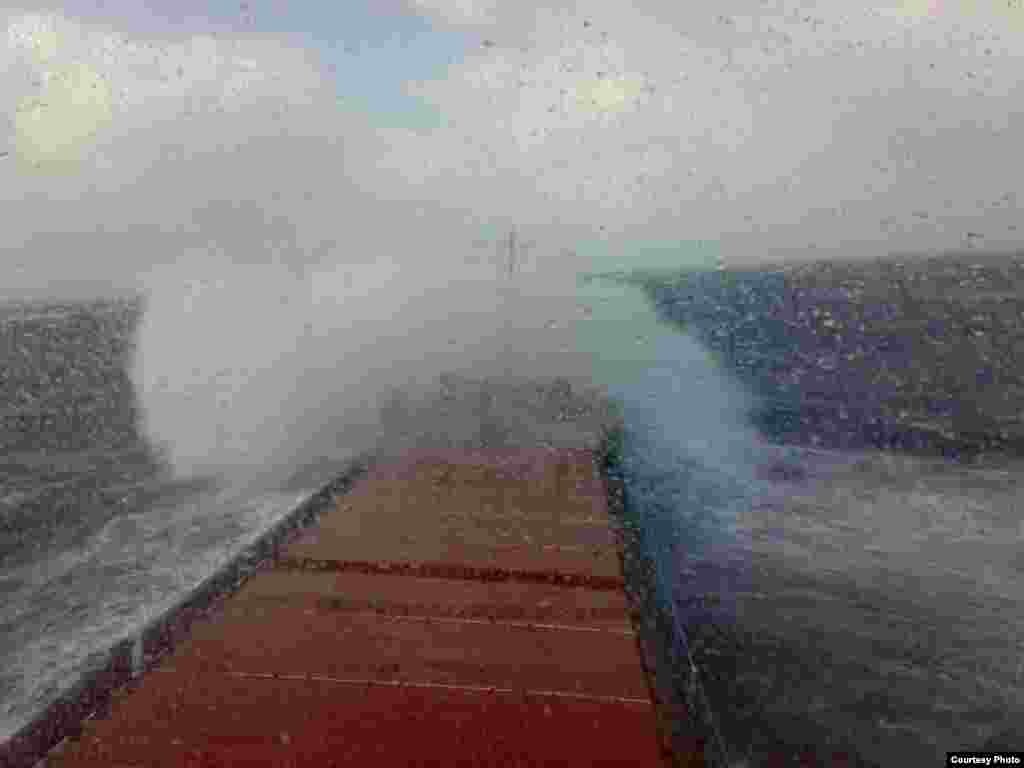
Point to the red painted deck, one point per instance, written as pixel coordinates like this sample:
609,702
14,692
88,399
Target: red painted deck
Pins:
449,610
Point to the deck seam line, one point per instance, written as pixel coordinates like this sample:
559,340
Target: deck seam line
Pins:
370,682
516,624
450,571
625,632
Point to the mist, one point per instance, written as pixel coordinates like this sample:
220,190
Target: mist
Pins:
276,342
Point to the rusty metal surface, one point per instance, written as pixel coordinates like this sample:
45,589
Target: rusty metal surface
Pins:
235,722
399,666
425,596
504,511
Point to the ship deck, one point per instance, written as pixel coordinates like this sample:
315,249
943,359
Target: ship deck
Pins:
450,608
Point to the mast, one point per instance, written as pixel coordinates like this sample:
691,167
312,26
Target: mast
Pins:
515,248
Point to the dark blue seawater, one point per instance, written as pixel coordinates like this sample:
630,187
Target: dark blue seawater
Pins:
847,366
856,519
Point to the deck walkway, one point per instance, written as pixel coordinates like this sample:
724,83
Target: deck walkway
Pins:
451,609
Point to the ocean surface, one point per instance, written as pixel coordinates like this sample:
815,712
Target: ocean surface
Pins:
95,539
875,588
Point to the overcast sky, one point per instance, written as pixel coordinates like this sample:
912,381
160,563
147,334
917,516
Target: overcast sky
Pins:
818,128
315,182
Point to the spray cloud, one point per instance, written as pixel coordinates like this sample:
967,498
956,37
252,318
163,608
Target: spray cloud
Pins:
299,261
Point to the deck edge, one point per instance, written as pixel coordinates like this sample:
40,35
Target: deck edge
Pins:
684,728
130,658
